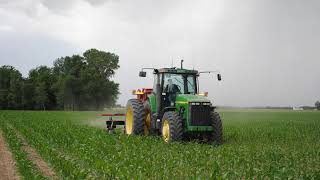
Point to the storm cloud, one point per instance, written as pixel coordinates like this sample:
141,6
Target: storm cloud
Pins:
267,51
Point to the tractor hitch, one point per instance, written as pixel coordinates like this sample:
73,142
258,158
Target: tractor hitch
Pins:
113,123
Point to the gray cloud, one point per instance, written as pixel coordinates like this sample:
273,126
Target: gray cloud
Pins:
32,7
267,51
28,51
60,6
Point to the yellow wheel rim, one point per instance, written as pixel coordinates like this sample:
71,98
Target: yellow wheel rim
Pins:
166,131
147,124
129,117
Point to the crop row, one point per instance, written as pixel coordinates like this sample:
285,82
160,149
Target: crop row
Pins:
24,165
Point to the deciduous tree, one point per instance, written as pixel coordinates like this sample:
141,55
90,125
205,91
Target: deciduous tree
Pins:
317,105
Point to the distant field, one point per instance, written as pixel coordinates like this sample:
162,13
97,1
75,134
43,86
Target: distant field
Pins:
258,143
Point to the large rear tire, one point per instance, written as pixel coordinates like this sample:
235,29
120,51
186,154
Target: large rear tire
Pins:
217,128
172,127
135,117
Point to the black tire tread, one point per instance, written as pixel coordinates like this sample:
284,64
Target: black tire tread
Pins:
175,124
138,116
217,128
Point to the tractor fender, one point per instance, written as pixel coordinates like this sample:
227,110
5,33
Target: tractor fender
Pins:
171,108
166,109
157,124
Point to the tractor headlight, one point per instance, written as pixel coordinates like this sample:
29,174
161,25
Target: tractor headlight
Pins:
199,103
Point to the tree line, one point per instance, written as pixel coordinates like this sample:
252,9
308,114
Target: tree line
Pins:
78,82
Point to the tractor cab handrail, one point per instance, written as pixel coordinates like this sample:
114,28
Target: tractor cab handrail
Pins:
209,72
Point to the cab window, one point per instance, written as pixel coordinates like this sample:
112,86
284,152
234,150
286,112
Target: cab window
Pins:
183,83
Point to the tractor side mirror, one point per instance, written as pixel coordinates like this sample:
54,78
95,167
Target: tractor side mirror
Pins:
219,77
142,74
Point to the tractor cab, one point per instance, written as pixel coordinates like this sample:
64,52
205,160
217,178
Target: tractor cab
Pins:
175,82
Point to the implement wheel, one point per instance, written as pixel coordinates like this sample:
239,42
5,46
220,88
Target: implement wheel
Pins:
172,129
135,117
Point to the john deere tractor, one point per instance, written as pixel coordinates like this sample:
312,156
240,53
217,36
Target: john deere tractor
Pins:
174,108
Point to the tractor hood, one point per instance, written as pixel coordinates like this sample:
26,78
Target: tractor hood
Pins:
186,98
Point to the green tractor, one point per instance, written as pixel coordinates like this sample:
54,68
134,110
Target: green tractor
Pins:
174,108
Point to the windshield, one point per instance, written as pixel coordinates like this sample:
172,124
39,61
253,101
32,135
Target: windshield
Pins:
183,83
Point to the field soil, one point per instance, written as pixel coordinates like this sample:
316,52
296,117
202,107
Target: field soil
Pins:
7,164
42,166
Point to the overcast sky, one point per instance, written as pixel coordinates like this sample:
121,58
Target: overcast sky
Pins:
267,51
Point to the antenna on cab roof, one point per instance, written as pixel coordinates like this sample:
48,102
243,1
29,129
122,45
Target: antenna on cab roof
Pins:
171,61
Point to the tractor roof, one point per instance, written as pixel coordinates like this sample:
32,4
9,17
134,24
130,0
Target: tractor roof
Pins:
177,70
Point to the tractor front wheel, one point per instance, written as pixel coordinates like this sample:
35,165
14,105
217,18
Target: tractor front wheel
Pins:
217,128
172,127
135,117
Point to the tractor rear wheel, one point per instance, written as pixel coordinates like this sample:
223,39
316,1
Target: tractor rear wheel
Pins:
135,117
217,128
147,123
172,127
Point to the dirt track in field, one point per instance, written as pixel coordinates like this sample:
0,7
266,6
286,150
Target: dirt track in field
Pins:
33,156
7,164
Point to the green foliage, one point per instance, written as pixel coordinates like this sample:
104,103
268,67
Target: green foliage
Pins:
102,62
74,83
42,79
258,144
10,88
84,82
